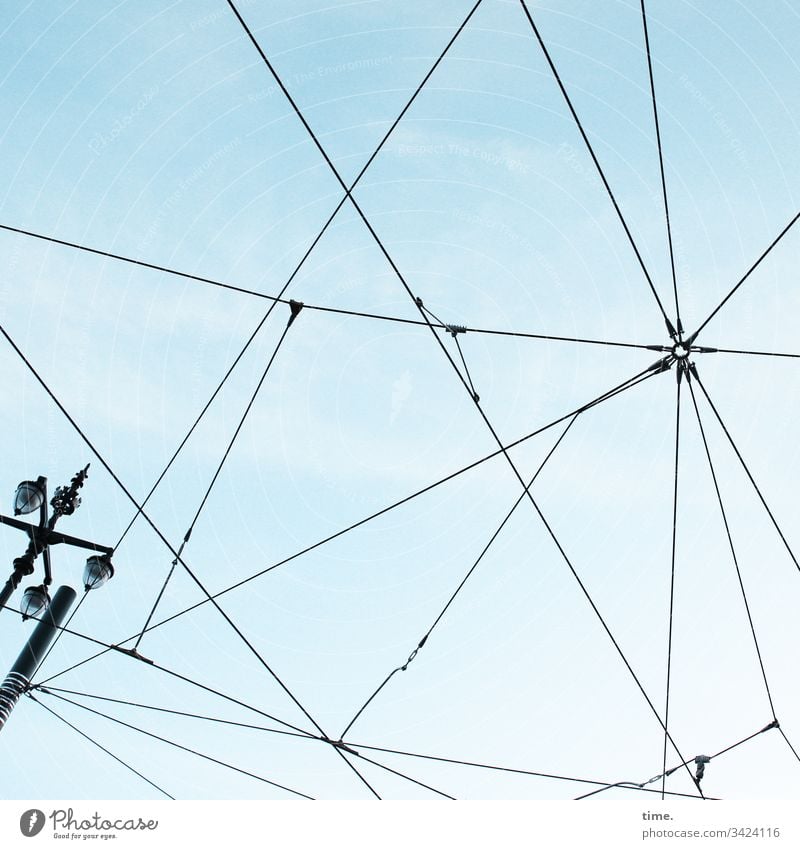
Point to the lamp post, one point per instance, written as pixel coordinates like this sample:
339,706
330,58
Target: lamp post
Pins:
32,496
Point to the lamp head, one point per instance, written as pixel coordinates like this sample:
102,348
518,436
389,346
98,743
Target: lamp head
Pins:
97,572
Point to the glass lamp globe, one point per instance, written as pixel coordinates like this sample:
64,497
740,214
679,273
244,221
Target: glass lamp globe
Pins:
98,570
34,601
29,497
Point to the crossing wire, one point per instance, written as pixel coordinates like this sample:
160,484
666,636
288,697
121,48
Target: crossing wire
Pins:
216,475
155,528
641,786
639,378
510,770
458,589
514,334
419,304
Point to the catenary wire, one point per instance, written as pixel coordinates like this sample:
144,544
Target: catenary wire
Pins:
545,337
731,546
661,168
747,471
511,770
186,714
458,589
483,415
637,379
216,475
679,373
752,268
231,723
773,724
302,261
100,746
155,528
59,633
181,747
152,664
597,165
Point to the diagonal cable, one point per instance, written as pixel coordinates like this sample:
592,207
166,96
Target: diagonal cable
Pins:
747,471
305,256
61,631
155,528
100,746
637,379
181,747
419,305
597,165
458,589
642,785
510,770
661,168
752,268
279,299
732,548
216,475
679,373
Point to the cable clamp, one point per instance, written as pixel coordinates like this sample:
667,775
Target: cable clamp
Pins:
295,307
339,744
701,761
133,653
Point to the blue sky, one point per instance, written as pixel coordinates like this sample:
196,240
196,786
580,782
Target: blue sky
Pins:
156,132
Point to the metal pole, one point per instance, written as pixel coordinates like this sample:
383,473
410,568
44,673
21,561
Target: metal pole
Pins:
31,655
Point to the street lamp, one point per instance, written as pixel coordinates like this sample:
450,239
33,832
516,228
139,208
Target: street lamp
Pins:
29,497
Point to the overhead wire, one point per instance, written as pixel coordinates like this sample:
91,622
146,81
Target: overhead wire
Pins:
186,714
679,325
732,547
747,472
183,748
216,475
747,274
510,770
642,785
155,528
419,304
461,585
597,165
636,380
300,264
100,746
235,724
679,373
275,299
